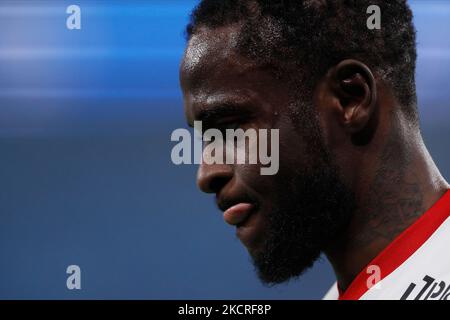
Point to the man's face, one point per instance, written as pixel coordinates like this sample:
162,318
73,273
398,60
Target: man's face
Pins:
284,220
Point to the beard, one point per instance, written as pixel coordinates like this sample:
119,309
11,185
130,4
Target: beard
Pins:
313,206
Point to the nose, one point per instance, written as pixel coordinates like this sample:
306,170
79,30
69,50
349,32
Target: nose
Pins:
211,178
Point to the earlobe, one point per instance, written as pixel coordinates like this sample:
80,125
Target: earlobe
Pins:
355,88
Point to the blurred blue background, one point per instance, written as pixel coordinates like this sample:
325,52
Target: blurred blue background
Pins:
85,170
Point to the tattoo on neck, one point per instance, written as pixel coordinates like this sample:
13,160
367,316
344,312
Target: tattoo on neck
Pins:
395,198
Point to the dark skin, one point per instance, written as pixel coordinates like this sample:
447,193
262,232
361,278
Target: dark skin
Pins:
381,156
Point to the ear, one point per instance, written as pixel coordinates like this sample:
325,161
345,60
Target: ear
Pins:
354,87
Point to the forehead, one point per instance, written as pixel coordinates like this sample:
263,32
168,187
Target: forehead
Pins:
212,51
212,70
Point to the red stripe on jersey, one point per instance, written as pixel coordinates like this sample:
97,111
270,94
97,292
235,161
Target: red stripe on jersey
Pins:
399,250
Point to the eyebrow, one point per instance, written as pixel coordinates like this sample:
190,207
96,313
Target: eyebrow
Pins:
212,113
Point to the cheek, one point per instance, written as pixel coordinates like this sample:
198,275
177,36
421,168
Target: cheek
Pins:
261,187
293,152
256,185
249,174
291,158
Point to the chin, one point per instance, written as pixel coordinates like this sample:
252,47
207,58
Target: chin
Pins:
275,266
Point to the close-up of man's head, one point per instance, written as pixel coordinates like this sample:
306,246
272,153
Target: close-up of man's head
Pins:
214,152
337,90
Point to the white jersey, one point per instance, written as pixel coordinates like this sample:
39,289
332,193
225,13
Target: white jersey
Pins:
415,266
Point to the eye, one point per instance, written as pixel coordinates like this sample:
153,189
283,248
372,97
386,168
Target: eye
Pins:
233,125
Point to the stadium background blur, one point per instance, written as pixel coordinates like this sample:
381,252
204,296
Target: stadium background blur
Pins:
85,171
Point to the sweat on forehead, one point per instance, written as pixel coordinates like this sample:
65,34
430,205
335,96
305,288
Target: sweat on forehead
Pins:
209,50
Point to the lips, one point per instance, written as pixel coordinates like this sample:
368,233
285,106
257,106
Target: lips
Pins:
238,213
244,213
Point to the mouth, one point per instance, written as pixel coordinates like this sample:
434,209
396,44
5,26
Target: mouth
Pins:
237,214
245,216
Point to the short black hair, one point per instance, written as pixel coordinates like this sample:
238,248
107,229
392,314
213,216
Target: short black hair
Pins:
318,34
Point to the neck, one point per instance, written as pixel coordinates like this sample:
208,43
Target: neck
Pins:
405,184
